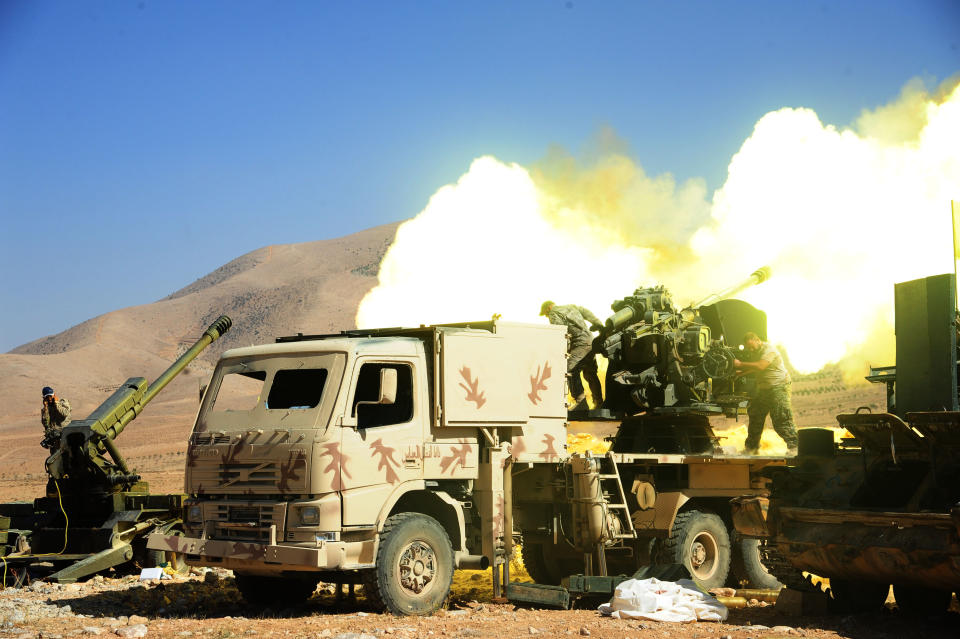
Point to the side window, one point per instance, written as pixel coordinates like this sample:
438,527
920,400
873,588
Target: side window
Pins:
368,390
299,388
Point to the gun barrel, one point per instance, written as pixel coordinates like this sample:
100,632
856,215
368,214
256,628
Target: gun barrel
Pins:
213,332
619,319
759,276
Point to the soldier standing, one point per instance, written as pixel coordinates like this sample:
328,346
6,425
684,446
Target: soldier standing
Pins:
772,394
581,357
54,415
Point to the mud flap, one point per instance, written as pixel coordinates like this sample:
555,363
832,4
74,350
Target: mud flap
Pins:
749,516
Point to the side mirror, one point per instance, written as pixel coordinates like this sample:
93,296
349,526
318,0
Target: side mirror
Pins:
388,386
388,390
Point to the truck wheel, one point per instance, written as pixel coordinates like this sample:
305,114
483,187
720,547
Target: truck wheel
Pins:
699,541
414,567
544,571
747,567
851,596
916,600
264,591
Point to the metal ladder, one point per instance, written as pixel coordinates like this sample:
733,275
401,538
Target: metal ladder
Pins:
612,474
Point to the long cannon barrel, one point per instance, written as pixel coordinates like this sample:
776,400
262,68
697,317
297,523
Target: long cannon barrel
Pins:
759,276
84,441
213,332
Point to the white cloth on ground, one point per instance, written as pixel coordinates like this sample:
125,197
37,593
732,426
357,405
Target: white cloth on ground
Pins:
657,600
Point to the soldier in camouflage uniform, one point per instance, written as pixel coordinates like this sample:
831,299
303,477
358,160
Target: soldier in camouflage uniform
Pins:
772,394
54,415
581,357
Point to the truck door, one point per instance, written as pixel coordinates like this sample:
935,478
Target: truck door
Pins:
380,442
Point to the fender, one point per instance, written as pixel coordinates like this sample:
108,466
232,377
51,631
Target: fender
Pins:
437,501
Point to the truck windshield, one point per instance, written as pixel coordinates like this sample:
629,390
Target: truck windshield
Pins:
283,391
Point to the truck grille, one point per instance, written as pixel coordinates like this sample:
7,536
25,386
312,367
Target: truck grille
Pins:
206,439
249,474
247,522
244,471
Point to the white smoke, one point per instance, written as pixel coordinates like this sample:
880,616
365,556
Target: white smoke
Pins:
840,214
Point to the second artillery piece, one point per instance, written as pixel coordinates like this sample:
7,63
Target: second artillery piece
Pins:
667,360
97,511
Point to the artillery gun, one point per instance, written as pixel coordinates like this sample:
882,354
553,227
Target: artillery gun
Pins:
666,360
669,370
97,511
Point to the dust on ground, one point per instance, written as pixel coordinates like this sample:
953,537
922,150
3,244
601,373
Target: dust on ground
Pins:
209,605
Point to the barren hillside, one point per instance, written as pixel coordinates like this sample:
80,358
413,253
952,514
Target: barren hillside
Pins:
277,290
313,287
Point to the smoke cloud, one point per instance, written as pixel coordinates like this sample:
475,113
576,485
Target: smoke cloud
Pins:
840,214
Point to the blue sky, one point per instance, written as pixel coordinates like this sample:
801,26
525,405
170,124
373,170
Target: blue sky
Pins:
143,144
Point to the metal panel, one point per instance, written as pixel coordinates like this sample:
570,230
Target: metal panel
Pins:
926,345
503,378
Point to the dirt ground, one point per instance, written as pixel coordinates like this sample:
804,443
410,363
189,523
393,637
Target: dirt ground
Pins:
210,606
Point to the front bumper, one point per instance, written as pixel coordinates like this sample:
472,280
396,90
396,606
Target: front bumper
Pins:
328,555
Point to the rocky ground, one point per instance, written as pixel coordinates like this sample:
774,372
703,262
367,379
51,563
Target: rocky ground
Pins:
209,606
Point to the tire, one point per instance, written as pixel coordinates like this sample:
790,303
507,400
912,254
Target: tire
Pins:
699,541
537,567
543,571
746,566
265,591
919,601
853,596
414,567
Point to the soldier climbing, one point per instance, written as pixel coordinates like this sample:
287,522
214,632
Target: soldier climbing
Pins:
581,357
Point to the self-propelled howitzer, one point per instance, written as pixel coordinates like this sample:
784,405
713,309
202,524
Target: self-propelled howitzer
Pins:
84,444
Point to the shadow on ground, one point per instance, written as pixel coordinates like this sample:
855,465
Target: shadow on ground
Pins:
204,600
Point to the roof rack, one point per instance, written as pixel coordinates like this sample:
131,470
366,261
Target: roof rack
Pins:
395,331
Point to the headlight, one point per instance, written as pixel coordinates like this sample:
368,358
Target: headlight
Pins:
310,515
195,514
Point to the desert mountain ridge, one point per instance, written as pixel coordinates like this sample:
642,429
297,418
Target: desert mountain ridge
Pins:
310,287
313,287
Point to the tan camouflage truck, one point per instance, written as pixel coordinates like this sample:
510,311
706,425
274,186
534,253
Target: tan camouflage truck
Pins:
374,456
392,457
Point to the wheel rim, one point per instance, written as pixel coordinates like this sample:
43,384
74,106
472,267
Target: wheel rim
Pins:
417,567
703,556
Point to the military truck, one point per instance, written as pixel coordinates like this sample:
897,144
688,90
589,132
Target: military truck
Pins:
881,507
97,511
392,457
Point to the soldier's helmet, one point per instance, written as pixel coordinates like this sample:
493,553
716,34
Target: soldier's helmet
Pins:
47,391
545,307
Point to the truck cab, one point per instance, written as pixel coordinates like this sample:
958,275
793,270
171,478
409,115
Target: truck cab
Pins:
376,456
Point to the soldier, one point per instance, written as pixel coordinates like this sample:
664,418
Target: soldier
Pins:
771,396
54,415
581,358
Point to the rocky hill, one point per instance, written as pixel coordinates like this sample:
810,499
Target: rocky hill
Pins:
313,287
